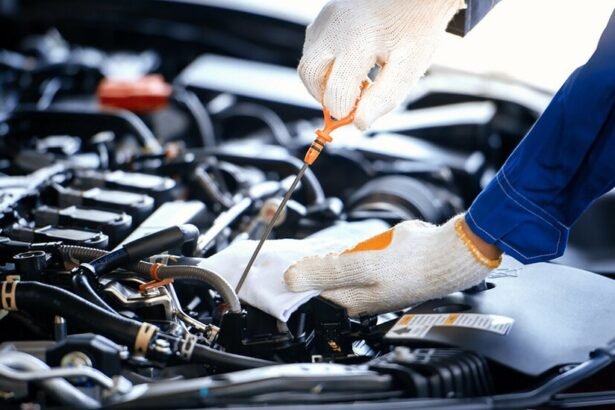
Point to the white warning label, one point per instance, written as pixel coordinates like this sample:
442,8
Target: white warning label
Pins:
416,326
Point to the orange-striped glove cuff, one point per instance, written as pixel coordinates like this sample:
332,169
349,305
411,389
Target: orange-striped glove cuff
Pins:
476,253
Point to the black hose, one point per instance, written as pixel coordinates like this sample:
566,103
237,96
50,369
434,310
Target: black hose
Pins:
203,123
199,114
78,254
278,128
107,262
83,288
542,394
134,251
269,162
82,121
228,361
35,296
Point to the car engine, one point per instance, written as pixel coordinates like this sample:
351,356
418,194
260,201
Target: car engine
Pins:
121,169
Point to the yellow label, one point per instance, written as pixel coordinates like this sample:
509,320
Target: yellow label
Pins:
405,319
450,320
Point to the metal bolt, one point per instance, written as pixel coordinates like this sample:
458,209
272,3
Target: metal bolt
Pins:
76,359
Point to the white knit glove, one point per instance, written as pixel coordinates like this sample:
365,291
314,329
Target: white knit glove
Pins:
410,263
353,35
264,287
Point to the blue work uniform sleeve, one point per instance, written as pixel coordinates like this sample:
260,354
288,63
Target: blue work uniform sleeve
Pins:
564,163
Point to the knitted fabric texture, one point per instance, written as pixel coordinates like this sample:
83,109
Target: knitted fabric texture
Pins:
422,262
264,287
400,36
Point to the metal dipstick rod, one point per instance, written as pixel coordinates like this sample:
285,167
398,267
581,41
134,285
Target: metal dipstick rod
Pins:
270,226
322,138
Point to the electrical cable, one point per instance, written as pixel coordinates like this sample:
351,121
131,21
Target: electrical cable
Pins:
211,189
32,180
55,119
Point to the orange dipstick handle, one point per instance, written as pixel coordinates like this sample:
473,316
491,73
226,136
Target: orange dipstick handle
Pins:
323,135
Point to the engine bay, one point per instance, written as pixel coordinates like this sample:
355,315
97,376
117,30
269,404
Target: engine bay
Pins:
122,169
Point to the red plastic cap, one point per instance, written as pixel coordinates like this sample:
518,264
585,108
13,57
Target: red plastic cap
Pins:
146,94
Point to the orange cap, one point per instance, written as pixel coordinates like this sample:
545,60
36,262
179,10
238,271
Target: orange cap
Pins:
146,94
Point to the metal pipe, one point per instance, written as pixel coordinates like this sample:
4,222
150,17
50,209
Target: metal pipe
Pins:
183,315
59,388
51,373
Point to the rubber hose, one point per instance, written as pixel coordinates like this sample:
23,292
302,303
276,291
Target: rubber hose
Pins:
199,114
287,166
82,287
78,254
270,118
229,361
144,247
35,296
38,296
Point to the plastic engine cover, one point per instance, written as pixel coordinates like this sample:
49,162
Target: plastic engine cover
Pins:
560,315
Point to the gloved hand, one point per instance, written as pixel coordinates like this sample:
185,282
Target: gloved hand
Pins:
264,287
353,35
410,263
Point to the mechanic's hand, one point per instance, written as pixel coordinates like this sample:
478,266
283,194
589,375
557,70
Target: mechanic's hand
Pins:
410,263
353,35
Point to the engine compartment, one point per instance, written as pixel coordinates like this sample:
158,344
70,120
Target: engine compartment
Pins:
108,203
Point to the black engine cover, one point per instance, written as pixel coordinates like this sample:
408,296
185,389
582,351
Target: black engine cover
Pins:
560,315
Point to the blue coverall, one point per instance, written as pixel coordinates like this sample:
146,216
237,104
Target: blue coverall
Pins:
564,163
